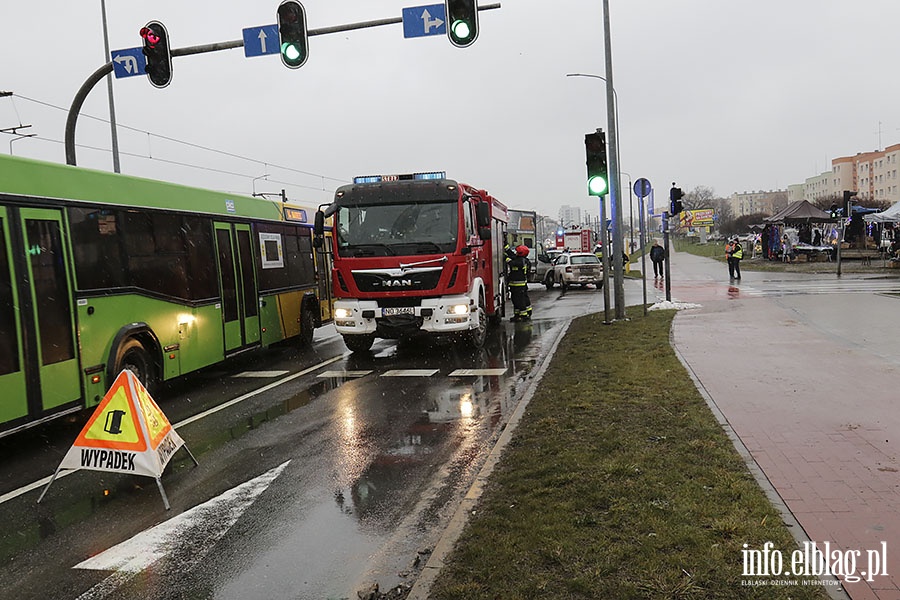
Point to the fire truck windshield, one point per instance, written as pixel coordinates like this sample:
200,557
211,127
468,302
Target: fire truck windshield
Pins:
397,229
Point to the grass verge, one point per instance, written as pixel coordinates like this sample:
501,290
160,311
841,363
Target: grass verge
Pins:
618,483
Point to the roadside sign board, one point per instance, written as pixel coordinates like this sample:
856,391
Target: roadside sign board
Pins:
260,40
128,62
419,21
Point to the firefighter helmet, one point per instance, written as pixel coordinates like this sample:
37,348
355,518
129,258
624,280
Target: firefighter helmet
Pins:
521,250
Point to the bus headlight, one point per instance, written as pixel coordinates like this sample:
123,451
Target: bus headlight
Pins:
342,313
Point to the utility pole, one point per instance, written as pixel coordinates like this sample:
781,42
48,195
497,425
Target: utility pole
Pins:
618,248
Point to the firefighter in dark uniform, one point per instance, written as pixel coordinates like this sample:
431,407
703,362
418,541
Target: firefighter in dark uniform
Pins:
519,265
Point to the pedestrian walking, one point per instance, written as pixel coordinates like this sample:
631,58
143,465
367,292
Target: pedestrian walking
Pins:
657,256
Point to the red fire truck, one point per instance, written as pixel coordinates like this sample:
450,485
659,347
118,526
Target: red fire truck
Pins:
414,253
575,239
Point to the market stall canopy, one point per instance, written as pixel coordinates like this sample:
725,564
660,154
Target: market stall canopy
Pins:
891,215
801,211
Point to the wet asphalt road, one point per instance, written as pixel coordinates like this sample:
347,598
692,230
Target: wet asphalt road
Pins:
326,472
320,472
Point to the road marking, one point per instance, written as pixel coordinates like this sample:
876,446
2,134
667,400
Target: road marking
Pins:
344,374
189,535
477,372
261,374
248,395
410,373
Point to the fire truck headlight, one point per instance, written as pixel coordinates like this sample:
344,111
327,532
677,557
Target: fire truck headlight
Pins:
459,309
342,313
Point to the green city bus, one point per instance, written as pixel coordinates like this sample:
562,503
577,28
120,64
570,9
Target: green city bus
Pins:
100,272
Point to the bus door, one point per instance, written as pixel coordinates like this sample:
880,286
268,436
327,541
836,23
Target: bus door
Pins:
46,302
240,299
323,275
14,404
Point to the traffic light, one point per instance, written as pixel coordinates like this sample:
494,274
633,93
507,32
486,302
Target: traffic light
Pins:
597,177
847,196
158,54
675,203
462,21
834,211
292,35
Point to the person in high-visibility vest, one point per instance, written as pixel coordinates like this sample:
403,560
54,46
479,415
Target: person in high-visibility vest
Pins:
518,264
737,253
729,248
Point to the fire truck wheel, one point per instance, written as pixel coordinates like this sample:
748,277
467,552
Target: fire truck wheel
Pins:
477,336
359,343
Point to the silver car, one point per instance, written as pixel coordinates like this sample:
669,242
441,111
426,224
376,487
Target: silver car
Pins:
573,268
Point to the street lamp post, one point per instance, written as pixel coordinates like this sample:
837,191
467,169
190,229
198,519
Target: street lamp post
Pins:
109,88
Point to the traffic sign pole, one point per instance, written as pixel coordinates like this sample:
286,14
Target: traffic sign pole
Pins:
642,189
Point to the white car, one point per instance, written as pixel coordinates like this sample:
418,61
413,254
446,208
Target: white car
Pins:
543,265
573,268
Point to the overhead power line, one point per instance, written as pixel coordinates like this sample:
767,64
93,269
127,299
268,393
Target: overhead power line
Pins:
191,145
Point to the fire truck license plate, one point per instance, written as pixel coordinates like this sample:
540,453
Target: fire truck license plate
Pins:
398,310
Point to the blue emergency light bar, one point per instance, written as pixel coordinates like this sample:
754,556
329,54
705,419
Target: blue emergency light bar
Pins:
403,177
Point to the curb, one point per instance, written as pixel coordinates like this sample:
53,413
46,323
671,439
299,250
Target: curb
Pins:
444,547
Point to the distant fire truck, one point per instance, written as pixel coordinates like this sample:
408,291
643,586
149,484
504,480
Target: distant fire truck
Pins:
415,253
576,240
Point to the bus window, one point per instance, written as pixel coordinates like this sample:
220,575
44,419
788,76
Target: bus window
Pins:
50,288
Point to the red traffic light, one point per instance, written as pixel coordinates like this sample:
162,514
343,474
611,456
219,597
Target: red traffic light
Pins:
157,53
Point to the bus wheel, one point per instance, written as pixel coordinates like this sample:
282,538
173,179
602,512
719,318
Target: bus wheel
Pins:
477,336
359,343
134,357
307,327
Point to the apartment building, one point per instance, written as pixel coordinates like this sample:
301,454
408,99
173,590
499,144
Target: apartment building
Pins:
750,203
872,175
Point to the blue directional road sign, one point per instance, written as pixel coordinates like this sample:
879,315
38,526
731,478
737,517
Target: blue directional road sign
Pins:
128,62
420,21
260,40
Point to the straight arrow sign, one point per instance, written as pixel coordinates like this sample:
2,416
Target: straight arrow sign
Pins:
260,40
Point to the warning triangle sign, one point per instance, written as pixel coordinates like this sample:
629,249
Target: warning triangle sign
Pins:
128,433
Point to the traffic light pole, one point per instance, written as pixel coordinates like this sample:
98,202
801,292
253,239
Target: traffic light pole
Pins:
99,74
643,250
604,253
614,189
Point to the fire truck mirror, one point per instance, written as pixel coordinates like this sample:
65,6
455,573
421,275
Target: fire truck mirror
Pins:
483,215
484,233
465,250
319,224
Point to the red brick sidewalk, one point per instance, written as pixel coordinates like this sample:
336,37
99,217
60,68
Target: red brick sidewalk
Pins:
816,407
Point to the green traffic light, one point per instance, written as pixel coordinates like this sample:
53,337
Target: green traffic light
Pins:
597,186
291,52
461,30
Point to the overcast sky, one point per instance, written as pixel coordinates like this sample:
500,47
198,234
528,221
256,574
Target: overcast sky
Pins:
736,96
